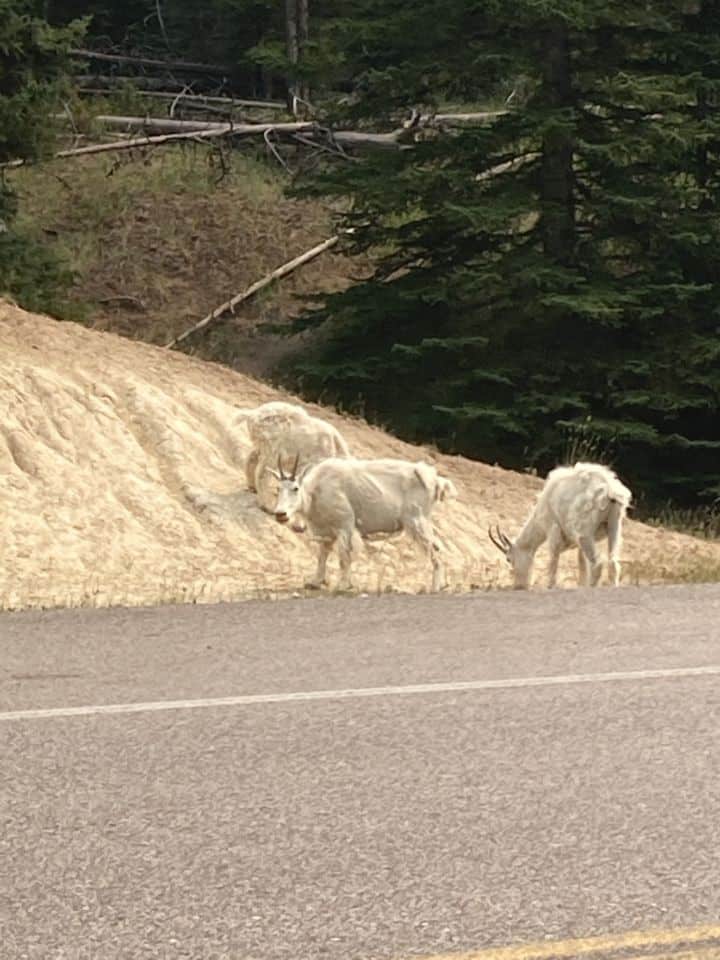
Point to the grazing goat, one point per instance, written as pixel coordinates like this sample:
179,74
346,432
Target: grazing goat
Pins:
577,506
340,498
281,431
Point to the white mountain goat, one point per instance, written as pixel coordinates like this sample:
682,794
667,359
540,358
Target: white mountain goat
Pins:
263,423
282,431
577,506
340,498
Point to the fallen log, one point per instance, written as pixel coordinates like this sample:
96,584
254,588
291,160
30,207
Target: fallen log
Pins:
182,65
200,99
343,138
167,125
229,305
194,130
458,119
163,124
225,130
166,89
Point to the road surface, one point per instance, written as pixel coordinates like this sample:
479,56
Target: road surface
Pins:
363,778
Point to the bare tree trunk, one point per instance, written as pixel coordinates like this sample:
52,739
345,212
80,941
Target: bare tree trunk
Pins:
297,27
293,50
557,179
282,271
303,34
267,82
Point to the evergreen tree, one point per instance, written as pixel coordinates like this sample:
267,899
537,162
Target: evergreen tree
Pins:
33,61
556,267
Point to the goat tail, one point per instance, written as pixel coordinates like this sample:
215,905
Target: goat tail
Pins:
427,475
446,489
440,488
620,494
616,515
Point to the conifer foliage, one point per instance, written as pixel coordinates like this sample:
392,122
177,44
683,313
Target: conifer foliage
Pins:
33,62
557,267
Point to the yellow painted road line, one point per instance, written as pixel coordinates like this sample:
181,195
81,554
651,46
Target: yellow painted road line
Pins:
636,945
698,953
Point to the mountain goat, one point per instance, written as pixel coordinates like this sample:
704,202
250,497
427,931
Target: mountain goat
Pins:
577,506
338,499
280,431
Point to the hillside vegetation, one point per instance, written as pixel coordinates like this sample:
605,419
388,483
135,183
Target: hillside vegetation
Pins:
155,243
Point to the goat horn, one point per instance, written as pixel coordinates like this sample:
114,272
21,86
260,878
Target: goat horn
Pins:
502,542
280,469
293,475
506,540
494,541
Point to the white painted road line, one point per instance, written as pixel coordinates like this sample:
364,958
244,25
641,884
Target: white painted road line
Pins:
309,695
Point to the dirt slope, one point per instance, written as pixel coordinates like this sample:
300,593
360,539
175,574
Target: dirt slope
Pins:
121,482
154,246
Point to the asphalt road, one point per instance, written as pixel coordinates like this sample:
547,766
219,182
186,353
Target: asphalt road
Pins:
571,789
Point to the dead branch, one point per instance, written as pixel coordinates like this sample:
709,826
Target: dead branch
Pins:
229,102
124,298
61,180
509,166
162,82
161,23
229,305
176,100
205,109
335,151
217,157
191,67
267,137
67,112
196,99
165,87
